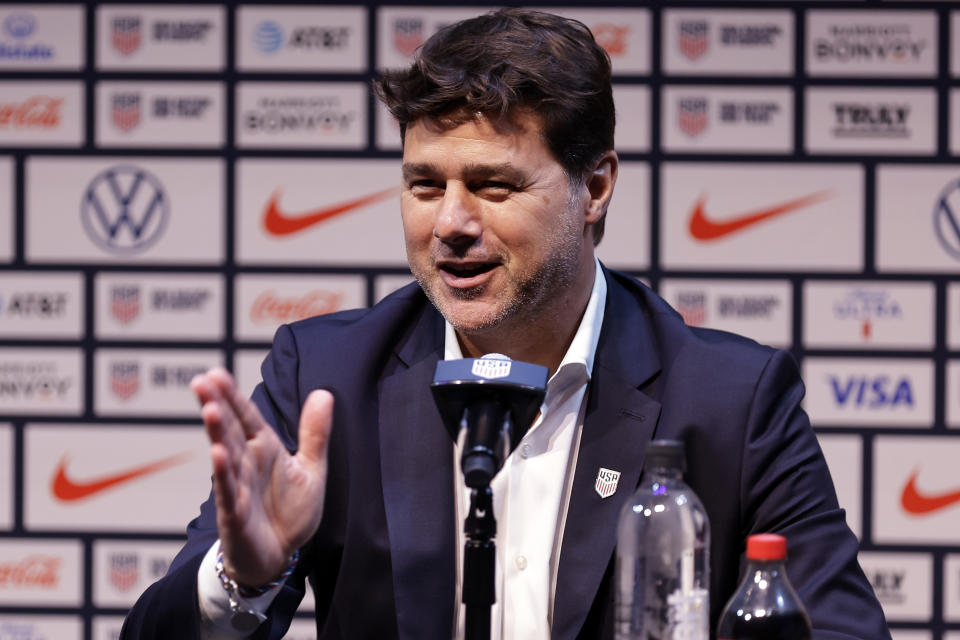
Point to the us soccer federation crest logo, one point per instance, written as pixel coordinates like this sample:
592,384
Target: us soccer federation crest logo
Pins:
491,368
126,34
606,484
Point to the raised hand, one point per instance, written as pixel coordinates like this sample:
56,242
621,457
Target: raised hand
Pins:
269,503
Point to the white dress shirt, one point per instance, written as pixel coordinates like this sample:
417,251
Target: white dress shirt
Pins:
530,495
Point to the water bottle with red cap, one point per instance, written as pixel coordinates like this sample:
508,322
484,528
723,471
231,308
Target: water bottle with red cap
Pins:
765,606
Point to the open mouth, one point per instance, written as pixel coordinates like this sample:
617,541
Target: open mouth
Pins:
467,270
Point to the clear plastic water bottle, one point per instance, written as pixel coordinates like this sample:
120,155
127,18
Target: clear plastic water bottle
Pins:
663,554
765,606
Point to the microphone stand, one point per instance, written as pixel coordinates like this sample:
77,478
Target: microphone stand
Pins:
479,564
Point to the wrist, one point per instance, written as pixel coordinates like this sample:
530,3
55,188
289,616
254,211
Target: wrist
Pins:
244,615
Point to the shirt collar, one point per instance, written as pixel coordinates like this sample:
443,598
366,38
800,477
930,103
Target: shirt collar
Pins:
582,349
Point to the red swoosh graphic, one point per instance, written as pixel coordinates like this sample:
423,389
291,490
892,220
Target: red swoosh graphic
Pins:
69,490
702,228
915,502
280,223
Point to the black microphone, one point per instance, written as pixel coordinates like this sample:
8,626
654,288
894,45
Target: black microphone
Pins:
487,404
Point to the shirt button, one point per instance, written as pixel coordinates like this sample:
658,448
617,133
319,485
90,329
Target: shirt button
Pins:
521,562
525,451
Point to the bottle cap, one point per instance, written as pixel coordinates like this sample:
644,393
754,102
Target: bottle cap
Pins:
667,454
766,546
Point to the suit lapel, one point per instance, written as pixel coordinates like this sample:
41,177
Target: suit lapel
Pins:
416,463
619,422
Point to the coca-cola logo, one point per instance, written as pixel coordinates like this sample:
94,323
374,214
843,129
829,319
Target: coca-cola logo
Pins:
39,112
269,307
37,571
612,37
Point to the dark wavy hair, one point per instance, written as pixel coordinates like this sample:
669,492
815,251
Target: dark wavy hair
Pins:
513,59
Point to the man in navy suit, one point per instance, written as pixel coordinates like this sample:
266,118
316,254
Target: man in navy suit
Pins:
340,470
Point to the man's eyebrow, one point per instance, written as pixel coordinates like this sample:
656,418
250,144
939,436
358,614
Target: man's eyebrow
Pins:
471,171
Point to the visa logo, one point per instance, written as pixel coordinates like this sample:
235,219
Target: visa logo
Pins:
871,392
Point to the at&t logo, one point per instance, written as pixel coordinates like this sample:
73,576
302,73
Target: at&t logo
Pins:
125,210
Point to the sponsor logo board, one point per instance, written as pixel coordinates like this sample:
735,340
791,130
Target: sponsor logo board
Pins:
856,314
149,382
759,309
154,306
908,634
301,38
46,305
955,37
41,381
384,285
844,456
160,114
888,121
264,302
319,212
626,238
41,113
109,210
953,316
164,38
733,120
6,208
916,492
874,392
301,115
762,216
871,43
246,369
41,38
633,118
74,480
953,394
714,42
40,572
123,569
918,218
401,30
625,34
902,582
388,130
40,627
6,477
951,587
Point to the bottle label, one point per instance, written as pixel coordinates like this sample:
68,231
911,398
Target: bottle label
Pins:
688,615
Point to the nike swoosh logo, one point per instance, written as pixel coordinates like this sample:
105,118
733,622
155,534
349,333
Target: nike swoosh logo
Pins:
280,223
703,228
917,503
67,489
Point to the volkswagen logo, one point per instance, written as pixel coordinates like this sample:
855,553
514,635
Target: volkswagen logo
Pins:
946,219
20,25
125,210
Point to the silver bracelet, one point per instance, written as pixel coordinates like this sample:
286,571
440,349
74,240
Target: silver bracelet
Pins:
243,617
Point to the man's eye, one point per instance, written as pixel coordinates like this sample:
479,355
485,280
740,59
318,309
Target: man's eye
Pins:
425,187
494,186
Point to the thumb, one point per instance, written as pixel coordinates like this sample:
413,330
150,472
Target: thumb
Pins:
316,418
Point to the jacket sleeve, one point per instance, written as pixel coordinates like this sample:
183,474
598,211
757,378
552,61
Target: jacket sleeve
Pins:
169,608
786,489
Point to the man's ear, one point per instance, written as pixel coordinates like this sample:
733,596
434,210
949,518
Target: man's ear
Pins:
599,184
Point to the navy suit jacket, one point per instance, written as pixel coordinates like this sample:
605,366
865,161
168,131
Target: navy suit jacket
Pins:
382,563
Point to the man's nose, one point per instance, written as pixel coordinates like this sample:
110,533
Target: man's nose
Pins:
458,218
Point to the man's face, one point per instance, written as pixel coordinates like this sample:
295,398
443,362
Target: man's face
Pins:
495,232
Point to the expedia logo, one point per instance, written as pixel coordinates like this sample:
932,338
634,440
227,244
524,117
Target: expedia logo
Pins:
491,369
859,120
35,381
871,43
125,210
749,35
751,113
39,305
322,114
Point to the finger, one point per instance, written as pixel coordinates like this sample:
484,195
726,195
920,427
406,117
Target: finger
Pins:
316,419
224,432
224,484
249,416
